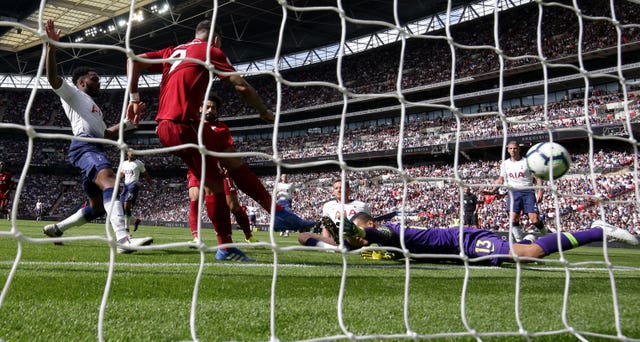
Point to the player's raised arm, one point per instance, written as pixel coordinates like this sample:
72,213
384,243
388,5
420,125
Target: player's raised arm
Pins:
52,65
135,107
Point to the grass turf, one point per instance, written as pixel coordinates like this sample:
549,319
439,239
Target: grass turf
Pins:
57,290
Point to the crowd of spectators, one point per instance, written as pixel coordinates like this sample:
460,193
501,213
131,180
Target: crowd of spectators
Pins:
364,73
419,133
432,195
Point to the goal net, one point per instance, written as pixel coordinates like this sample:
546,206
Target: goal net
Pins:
410,115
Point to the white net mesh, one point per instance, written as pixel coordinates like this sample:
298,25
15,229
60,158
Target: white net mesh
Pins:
460,84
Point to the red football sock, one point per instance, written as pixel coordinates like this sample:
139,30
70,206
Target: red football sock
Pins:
220,216
249,183
193,218
243,222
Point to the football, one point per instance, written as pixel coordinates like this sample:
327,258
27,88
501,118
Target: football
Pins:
548,158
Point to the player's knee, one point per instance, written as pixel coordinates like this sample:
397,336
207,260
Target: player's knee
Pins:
304,238
234,206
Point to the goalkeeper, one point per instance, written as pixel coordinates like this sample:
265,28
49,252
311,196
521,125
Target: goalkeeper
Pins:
476,242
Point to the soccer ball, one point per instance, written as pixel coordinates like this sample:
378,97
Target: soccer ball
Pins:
548,155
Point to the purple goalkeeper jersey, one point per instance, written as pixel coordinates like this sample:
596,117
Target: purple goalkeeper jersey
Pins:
475,242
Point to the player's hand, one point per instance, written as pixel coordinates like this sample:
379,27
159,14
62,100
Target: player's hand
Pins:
268,116
52,32
134,111
370,254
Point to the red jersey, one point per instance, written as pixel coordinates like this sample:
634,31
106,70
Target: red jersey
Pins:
184,82
6,183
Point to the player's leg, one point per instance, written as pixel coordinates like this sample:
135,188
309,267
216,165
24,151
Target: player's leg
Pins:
131,203
194,193
315,240
534,218
83,215
286,204
530,207
249,183
242,219
549,244
123,197
105,179
218,211
3,204
90,163
515,207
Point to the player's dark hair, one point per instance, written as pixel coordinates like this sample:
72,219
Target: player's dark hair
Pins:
204,26
217,99
80,72
362,216
338,180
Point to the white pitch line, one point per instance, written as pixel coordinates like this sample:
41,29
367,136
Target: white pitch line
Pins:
253,264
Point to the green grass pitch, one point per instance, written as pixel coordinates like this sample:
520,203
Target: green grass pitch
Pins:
57,290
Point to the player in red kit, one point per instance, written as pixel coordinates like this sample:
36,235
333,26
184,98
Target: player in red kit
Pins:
182,90
224,143
6,186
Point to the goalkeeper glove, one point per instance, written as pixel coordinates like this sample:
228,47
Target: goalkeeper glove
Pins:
370,254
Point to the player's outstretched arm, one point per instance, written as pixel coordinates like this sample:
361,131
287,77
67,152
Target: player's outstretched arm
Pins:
52,65
249,95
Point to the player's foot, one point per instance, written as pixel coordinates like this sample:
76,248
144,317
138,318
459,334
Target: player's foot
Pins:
286,220
328,224
614,233
251,239
52,230
529,237
136,224
125,247
232,254
317,228
517,233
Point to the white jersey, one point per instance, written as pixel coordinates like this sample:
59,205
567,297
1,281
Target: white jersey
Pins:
39,205
132,171
84,114
332,209
516,173
284,191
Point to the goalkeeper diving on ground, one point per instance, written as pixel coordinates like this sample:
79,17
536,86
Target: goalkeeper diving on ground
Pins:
476,243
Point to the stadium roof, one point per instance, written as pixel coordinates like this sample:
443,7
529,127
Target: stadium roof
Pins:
250,28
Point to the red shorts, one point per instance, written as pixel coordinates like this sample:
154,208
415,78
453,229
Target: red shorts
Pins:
229,185
176,133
